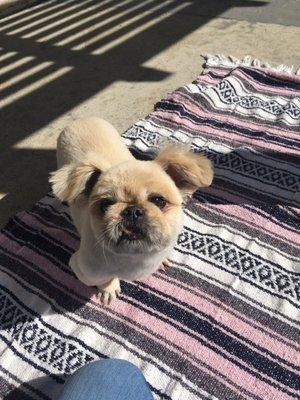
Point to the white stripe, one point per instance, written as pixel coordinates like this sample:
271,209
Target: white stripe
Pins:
213,94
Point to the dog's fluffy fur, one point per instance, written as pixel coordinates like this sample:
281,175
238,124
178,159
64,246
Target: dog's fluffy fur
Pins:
128,212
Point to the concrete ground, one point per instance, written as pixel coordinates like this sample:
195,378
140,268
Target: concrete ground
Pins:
61,60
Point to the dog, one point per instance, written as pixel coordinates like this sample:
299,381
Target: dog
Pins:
128,212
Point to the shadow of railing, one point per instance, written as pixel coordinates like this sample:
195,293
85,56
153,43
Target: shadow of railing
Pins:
56,55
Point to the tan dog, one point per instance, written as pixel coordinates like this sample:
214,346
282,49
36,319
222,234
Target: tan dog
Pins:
128,212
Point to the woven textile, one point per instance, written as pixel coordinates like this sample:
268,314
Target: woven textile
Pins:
223,321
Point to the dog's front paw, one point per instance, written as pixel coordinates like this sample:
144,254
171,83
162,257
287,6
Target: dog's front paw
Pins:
164,265
109,291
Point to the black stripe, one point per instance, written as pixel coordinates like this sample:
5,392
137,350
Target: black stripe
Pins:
171,106
45,255
47,221
9,391
55,253
264,77
48,212
43,233
254,195
278,213
256,207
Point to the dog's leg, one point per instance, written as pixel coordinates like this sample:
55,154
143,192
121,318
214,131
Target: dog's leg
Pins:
109,291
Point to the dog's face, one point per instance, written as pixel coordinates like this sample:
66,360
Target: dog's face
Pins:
136,206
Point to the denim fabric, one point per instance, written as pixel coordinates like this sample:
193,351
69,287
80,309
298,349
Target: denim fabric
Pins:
107,380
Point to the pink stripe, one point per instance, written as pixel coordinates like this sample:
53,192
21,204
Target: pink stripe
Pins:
265,90
217,70
271,73
206,80
199,301
58,234
217,134
44,264
251,218
199,110
264,87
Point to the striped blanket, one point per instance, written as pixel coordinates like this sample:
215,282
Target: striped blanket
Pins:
222,321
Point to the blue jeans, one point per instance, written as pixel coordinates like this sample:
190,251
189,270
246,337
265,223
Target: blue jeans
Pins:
107,380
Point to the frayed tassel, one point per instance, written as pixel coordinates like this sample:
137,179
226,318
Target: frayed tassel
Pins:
219,60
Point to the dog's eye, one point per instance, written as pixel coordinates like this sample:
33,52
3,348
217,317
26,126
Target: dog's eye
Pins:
159,201
105,203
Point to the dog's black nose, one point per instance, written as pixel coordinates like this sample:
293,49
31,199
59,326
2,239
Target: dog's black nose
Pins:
133,212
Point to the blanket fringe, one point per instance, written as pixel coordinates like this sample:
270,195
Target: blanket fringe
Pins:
219,60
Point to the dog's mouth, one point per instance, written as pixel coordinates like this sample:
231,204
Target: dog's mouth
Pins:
131,234
135,238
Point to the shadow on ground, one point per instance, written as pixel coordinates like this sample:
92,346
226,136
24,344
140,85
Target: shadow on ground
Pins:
56,55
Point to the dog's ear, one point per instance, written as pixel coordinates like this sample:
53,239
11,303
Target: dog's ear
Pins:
188,170
74,179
